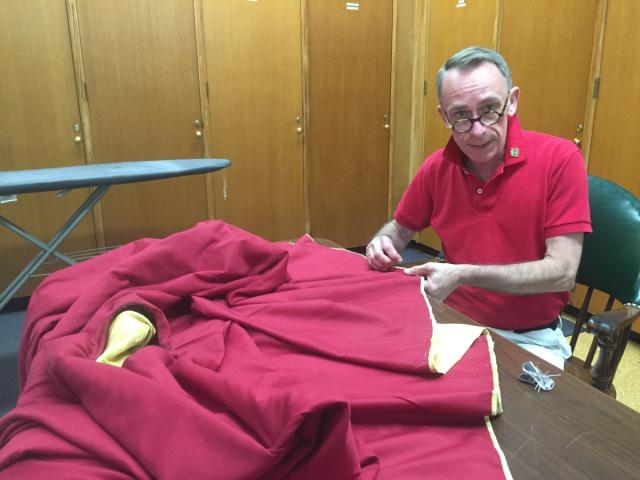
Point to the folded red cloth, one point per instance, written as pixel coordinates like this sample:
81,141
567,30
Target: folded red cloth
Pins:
271,361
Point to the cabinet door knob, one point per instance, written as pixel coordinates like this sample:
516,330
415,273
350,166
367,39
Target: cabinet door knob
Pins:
299,129
578,142
77,139
198,134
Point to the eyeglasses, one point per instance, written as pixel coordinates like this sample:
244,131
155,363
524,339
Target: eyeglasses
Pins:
487,119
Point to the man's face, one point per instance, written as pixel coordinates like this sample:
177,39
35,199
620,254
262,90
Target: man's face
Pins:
468,94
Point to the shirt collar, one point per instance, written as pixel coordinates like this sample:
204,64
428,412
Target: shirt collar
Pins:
514,151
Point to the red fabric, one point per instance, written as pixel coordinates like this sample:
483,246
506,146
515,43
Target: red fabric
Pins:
271,361
538,193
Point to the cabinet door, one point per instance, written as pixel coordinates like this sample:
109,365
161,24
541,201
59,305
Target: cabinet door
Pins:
347,141
141,72
548,45
451,26
254,72
613,151
613,154
38,118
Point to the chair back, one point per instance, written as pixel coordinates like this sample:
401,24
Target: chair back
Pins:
610,263
611,254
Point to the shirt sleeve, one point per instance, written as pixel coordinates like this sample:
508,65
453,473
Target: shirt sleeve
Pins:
568,198
416,205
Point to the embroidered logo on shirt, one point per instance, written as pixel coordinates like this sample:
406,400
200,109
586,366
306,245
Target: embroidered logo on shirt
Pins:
515,152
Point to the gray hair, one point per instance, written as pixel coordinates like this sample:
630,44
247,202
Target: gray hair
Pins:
473,57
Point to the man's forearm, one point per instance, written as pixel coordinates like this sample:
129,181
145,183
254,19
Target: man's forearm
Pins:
399,235
555,272
540,276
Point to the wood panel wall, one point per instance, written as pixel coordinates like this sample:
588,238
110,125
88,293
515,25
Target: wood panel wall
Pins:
423,34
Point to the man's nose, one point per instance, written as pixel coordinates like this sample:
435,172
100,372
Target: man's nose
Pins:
477,128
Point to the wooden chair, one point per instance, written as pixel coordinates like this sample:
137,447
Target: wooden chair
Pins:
610,263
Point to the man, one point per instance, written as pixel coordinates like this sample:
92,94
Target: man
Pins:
510,207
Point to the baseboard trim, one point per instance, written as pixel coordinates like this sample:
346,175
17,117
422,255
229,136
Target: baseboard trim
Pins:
16,305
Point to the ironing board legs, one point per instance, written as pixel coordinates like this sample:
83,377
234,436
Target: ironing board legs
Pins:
27,236
50,248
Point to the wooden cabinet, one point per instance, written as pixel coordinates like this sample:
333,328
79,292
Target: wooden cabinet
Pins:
253,53
141,70
612,154
348,118
40,126
323,108
549,47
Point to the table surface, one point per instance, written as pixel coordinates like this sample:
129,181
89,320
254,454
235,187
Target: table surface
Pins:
94,175
571,432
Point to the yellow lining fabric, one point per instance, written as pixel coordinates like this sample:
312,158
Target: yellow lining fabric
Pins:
496,398
496,445
450,341
128,332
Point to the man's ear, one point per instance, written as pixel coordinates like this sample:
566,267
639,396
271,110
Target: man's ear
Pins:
515,96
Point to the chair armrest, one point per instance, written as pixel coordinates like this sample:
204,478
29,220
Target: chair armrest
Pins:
614,320
608,328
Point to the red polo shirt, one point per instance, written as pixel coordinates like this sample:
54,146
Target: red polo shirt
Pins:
539,191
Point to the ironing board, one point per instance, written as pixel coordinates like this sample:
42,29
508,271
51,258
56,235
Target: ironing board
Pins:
101,177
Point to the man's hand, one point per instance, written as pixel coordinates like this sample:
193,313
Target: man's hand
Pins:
382,250
440,278
381,254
